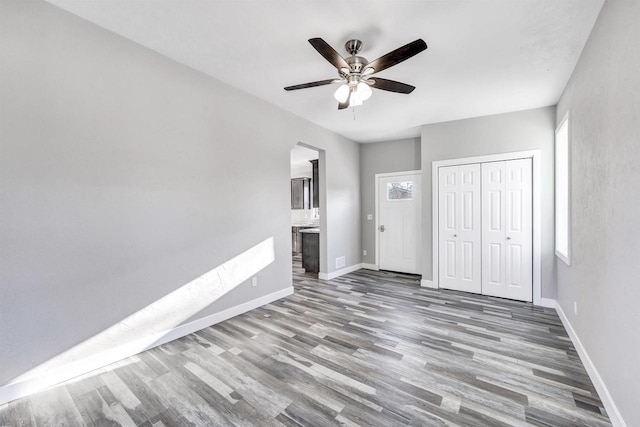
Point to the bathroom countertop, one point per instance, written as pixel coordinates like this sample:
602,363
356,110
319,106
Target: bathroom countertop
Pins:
311,230
305,224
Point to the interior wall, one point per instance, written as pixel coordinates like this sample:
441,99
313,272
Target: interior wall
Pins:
501,133
125,175
381,157
603,279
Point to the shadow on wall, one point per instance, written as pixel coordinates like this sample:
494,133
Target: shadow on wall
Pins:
155,321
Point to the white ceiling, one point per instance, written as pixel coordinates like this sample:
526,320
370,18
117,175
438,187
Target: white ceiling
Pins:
484,57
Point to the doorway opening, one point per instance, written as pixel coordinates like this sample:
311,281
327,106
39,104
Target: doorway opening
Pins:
307,219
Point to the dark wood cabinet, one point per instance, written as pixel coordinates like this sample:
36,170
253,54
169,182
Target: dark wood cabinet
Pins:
300,197
311,252
296,237
315,183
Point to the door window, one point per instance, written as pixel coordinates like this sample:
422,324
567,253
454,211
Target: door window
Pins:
400,190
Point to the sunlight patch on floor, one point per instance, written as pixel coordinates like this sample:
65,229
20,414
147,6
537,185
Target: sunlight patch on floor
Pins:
155,320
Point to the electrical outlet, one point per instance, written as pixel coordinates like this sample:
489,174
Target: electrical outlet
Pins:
364,252
254,281
575,308
369,217
340,262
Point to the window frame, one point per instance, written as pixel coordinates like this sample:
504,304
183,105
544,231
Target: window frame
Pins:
565,256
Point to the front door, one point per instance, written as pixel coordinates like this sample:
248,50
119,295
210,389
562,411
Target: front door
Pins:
399,228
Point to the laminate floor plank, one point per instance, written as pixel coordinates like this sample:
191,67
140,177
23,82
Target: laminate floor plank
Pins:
55,407
17,413
367,348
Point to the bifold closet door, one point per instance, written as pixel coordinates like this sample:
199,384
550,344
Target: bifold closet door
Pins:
507,251
459,230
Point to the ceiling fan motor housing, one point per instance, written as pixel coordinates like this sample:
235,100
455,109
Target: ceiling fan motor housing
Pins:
356,63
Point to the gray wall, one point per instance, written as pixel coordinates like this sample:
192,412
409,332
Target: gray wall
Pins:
125,175
603,98
502,133
381,157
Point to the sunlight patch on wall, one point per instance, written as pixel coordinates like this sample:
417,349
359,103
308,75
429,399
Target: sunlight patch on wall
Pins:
148,325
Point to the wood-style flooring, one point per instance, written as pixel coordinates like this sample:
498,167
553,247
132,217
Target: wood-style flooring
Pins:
367,348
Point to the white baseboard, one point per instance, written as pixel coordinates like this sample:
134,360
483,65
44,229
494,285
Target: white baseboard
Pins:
596,379
547,302
32,385
428,284
370,266
341,272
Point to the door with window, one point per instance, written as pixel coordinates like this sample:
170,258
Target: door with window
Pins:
399,227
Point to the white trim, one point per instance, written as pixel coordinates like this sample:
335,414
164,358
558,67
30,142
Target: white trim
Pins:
28,386
370,266
566,258
388,174
377,207
612,410
547,302
428,284
341,272
435,208
535,155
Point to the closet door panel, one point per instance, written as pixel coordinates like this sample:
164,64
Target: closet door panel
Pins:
448,226
507,264
493,232
459,228
518,230
469,237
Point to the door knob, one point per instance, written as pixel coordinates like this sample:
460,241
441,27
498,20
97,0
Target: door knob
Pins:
508,238
381,228
455,235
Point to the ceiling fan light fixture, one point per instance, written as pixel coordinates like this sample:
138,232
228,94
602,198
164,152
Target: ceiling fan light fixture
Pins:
364,91
342,93
355,100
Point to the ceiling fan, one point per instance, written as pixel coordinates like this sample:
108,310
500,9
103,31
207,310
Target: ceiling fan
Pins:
356,72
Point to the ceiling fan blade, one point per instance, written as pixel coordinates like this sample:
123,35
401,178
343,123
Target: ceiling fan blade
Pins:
345,104
396,56
329,53
391,85
312,84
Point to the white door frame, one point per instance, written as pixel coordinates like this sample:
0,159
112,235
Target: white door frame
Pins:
377,207
535,155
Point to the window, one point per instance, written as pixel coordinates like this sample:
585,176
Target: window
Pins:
400,190
563,192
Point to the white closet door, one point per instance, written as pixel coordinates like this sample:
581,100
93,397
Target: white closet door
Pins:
493,233
459,228
519,230
507,251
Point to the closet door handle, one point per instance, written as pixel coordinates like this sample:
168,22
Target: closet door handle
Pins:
508,238
455,235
